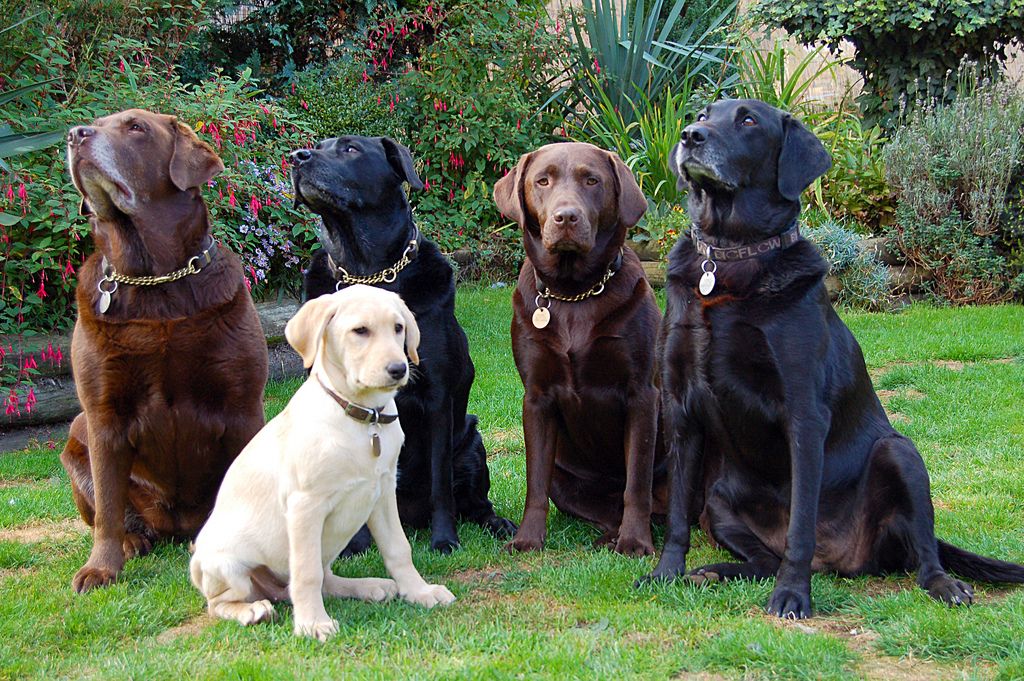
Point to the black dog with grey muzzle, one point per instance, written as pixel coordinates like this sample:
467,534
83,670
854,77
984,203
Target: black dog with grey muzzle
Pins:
770,413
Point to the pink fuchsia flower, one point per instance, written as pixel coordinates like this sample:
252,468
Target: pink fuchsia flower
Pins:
231,197
254,206
30,400
11,404
597,67
42,290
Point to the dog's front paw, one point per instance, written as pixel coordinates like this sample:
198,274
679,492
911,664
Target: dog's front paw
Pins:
951,591
444,545
500,527
90,577
634,546
136,545
320,629
790,603
525,541
258,611
431,595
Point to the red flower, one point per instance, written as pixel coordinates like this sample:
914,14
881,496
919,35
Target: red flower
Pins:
11,404
30,400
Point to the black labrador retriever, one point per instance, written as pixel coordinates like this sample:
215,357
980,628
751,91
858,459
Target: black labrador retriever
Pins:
368,236
770,413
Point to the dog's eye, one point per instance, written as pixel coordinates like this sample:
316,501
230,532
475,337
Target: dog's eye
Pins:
749,121
135,127
701,117
399,328
543,182
591,181
350,149
361,331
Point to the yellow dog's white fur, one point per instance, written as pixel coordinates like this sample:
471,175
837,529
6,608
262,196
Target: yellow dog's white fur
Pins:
308,481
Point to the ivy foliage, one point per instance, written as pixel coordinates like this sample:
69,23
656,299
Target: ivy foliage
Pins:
904,48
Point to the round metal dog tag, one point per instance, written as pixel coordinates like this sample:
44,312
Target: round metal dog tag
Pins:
104,303
541,317
707,283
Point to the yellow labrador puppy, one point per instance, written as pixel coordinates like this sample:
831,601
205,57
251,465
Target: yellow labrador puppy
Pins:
317,472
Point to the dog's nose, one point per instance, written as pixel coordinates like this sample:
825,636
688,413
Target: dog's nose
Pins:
80,132
397,370
694,135
563,215
300,156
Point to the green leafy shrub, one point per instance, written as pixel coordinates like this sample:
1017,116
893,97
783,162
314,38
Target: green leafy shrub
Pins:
903,49
863,280
953,169
276,38
660,228
470,101
336,100
855,188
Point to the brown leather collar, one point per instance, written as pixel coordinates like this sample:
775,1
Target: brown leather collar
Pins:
746,251
357,411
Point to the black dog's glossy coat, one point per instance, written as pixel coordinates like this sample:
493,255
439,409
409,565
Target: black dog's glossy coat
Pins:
355,185
764,385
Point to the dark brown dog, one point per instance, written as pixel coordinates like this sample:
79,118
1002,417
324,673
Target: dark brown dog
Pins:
170,375
590,410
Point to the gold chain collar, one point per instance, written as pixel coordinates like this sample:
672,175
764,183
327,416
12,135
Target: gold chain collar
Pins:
385,276
542,315
194,265
595,290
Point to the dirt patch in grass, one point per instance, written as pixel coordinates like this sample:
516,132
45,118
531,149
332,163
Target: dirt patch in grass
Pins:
951,364
700,676
189,627
33,533
909,393
477,576
873,663
11,573
16,482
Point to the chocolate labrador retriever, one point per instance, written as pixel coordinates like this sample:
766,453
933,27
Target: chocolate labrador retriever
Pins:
583,336
763,382
369,237
168,356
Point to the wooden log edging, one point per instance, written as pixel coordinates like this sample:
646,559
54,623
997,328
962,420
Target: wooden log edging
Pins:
54,386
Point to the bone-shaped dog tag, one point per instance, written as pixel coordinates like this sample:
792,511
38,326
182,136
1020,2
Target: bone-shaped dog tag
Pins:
375,445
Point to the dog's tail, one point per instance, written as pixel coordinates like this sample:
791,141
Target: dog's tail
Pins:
973,566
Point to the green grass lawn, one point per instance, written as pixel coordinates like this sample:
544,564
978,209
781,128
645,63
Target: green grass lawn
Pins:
952,379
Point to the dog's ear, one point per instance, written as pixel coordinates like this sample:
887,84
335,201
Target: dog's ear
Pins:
801,160
84,209
193,162
400,158
508,191
632,202
412,332
305,330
